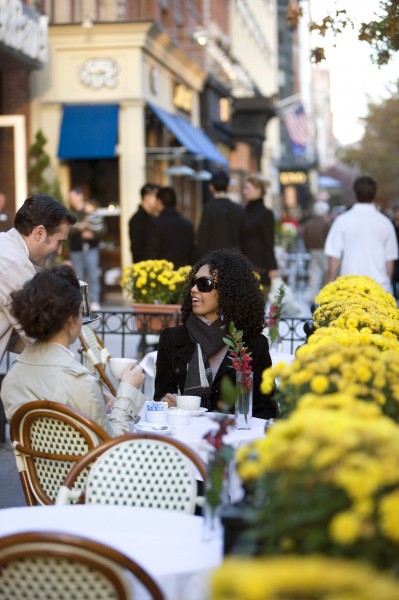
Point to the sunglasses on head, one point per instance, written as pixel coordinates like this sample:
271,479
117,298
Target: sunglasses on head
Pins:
204,284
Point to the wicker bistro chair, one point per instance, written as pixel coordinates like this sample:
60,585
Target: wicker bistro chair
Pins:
145,470
95,356
48,438
59,566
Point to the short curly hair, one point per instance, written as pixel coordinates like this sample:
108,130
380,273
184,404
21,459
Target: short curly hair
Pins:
240,297
44,303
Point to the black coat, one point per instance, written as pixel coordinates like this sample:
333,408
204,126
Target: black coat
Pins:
171,237
222,226
259,240
175,351
138,232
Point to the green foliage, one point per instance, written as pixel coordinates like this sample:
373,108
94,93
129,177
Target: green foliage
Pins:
380,144
381,33
37,172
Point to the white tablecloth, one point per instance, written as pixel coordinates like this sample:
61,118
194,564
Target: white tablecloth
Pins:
193,436
167,544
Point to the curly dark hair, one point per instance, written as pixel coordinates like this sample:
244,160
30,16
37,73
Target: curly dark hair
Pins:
240,298
44,303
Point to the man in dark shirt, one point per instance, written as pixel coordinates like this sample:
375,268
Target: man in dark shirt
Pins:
141,220
170,236
223,221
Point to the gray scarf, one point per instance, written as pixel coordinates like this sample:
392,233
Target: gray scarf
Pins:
208,340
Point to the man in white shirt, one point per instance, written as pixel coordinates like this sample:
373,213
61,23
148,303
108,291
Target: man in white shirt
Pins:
41,226
362,241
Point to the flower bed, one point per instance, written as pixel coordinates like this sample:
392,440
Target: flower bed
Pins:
326,481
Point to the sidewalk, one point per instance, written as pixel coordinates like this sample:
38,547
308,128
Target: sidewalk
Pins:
11,493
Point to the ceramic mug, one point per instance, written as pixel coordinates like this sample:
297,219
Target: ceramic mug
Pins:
156,412
188,402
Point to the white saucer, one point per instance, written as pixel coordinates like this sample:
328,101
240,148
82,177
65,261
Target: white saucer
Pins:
198,413
145,427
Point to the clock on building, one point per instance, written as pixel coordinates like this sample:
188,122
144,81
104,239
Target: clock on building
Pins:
97,73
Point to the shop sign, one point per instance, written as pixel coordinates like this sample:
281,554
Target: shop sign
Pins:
183,98
24,30
293,177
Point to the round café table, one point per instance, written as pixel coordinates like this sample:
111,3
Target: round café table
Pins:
169,545
193,436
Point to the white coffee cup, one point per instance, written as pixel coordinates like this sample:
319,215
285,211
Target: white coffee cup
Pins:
118,365
188,402
156,412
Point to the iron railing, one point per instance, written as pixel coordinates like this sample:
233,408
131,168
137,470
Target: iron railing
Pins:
127,334
137,329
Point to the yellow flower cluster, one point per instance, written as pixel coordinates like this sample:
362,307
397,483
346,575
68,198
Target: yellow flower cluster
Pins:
352,451
350,287
358,315
326,478
357,303
154,281
360,338
330,366
297,577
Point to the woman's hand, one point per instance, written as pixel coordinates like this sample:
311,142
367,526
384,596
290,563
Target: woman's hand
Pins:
134,375
170,399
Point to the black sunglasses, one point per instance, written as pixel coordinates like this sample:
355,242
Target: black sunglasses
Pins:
204,284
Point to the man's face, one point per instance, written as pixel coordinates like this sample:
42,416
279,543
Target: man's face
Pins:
41,245
150,204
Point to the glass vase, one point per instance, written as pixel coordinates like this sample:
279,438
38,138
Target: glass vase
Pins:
212,528
243,407
216,497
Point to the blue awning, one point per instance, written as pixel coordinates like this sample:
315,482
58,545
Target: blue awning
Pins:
191,137
328,182
88,131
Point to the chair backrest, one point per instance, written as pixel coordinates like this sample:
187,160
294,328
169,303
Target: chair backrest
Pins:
59,566
48,438
95,356
145,470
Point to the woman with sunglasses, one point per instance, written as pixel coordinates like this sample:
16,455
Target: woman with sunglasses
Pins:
193,358
48,309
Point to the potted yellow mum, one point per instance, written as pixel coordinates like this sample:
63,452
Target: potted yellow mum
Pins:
155,287
364,369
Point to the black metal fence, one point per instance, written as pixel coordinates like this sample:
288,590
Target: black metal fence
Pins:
127,334
138,329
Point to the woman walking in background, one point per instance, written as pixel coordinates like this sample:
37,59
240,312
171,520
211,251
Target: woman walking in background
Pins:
259,239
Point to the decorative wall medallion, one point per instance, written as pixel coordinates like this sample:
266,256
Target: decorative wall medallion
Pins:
97,73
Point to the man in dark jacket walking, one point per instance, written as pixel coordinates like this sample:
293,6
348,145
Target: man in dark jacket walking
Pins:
141,220
223,221
170,236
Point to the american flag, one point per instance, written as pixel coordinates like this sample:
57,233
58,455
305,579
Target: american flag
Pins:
296,123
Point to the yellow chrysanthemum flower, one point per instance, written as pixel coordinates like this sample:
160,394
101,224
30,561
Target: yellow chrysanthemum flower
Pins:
154,281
